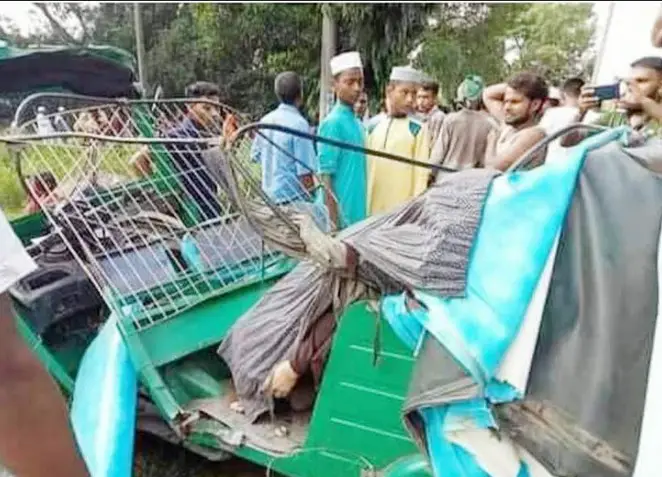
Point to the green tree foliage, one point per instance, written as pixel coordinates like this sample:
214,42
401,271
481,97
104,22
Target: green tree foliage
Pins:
242,47
549,39
383,33
246,46
114,23
469,40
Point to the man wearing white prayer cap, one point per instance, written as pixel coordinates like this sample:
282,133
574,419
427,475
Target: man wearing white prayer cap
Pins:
391,183
407,74
342,171
345,61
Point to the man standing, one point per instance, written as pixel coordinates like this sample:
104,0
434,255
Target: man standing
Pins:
462,140
392,183
518,105
202,118
343,172
361,107
560,117
59,122
428,108
35,435
288,162
44,124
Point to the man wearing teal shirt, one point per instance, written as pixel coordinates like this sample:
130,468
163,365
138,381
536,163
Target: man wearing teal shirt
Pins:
344,172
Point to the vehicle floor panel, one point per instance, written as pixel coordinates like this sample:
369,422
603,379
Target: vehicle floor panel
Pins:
262,434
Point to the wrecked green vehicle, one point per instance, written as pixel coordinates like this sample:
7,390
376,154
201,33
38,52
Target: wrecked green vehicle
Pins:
179,260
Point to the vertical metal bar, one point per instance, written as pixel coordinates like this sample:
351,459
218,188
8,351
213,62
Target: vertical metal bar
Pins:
140,46
603,44
328,50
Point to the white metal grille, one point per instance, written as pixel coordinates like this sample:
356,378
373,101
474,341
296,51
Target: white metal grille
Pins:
159,242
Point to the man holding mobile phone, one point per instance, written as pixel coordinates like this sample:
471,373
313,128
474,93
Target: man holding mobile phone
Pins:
640,107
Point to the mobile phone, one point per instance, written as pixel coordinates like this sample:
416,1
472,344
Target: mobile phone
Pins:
607,91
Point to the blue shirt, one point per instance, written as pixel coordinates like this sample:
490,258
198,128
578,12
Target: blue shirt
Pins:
284,157
346,168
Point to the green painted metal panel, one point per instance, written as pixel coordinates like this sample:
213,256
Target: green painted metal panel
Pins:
198,377
61,367
52,365
359,405
356,429
110,53
28,227
202,326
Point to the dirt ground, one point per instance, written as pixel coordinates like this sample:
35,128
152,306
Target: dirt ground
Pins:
155,458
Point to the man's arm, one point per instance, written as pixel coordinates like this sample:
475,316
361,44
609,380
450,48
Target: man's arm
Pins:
422,154
440,149
587,102
256,147
141,162
35,436
493,99
525,141
490,147
230,126
328,163
304,152
434,124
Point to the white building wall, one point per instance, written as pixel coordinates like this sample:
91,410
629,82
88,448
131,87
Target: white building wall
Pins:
628,37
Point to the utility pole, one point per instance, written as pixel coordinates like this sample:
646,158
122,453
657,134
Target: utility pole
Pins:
328,52
140,46
603,44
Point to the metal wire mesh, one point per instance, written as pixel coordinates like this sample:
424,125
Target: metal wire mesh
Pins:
166,203
158,224
63,112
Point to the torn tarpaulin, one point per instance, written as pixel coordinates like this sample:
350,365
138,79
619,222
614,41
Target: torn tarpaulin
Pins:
583,410
458,379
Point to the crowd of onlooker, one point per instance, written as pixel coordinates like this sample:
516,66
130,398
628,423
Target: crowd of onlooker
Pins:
487,126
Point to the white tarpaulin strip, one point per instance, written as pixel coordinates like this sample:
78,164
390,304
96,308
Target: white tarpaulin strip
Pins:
499,456
648,455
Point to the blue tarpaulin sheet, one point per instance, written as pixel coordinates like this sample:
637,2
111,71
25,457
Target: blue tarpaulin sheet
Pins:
522,216
103,412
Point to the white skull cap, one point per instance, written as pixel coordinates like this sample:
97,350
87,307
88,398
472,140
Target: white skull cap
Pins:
407,74
345,61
